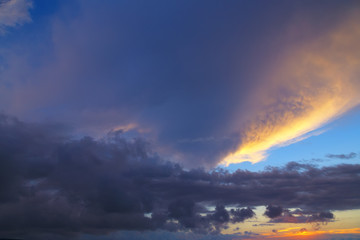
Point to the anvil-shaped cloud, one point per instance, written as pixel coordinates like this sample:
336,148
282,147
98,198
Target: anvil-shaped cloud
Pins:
309,86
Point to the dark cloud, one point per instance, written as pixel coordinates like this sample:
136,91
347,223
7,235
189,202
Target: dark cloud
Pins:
249,233
263,224
301,216
342,156
322,217
221,215
198,218
188,216
273,211
52,183
240,215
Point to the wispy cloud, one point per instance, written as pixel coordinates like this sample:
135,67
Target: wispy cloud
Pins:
342,156
14,13
311,85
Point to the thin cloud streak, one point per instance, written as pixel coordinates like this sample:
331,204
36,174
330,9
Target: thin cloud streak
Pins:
342,156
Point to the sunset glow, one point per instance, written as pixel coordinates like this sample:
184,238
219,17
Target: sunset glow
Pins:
313,85
298,233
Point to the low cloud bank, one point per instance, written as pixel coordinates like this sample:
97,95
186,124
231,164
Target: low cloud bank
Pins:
50,182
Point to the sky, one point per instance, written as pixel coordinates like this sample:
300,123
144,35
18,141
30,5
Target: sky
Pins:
204,120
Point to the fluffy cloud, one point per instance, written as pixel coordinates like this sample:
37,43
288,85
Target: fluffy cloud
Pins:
273,211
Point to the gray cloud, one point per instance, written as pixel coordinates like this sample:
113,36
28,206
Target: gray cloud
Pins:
240,215
342,156
273,211
52,183
301,216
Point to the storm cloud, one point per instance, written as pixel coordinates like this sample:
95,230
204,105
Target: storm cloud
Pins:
51,182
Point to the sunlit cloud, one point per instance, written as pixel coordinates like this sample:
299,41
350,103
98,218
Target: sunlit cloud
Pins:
130,127
310,86
125,128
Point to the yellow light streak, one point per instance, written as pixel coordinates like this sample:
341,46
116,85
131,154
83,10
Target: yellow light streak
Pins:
313,85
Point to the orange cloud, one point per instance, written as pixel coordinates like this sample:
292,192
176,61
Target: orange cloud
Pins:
312,85
302,233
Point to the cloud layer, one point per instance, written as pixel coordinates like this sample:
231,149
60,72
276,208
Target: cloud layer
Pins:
51,183
204,80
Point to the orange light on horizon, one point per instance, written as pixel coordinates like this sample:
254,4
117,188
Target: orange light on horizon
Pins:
289,233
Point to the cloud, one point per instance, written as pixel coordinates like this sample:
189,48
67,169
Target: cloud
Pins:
309,86
299,216
85,186
240,215
170,68
342,156
75,186
322,217
273,211
14,13
114,72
